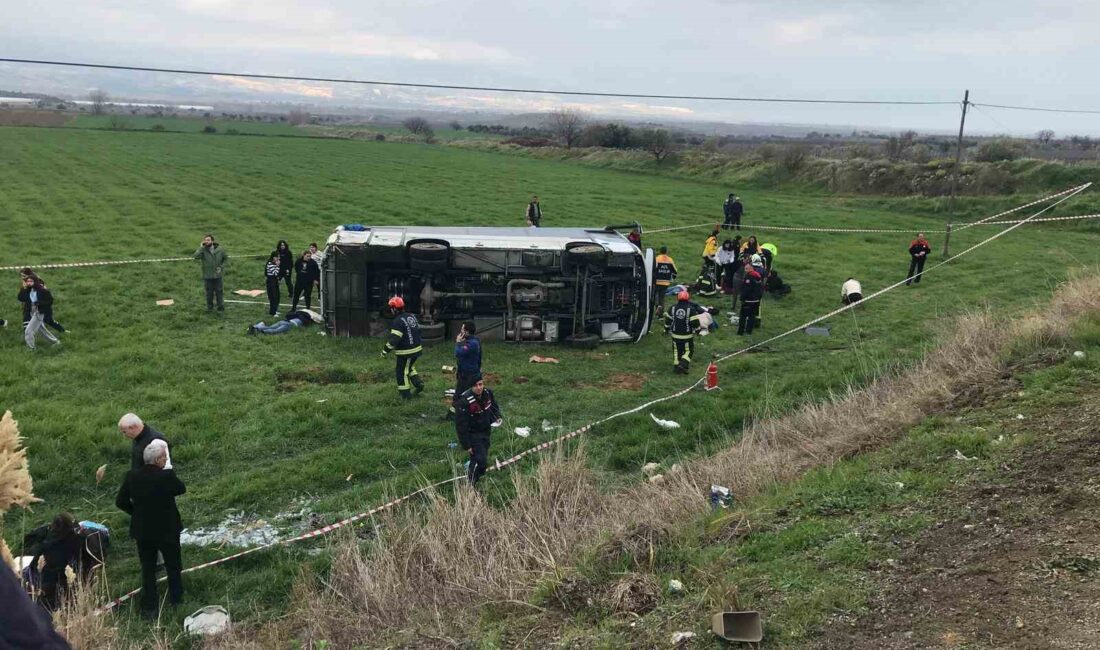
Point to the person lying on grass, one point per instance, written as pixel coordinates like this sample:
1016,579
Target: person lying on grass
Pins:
300,318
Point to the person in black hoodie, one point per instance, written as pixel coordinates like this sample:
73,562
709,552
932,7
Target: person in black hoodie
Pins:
286,264
149,496
919,249
308,275
476,411
272,273
37,302
47,309
60,549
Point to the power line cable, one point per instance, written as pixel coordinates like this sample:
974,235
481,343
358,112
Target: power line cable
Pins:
1037,108
530,91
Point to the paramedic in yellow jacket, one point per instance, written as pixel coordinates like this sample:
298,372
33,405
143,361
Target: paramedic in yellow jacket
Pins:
710,249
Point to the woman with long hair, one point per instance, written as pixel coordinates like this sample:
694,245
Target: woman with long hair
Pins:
60,549
286,264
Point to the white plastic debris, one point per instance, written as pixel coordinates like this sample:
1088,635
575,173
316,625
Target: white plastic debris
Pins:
899,485
649,469
1019,416
209,620
547,426
657,478
675,586
1079,354
665,424
961,456
680,637
523,432
999,439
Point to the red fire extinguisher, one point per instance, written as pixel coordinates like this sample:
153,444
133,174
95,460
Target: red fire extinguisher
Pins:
712,377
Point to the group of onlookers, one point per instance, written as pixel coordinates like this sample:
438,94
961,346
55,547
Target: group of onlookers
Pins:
281,266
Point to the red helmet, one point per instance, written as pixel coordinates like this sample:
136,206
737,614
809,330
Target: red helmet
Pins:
683,295
397,302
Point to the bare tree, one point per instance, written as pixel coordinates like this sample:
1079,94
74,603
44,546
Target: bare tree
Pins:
419,126
657,142
1044,136
99,99
456,126
566,125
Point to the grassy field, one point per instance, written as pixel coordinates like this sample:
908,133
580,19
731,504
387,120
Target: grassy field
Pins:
256,424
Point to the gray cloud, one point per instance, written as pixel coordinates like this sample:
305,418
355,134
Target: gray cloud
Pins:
1012,52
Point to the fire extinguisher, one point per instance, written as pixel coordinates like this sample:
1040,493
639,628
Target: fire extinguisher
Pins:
712,376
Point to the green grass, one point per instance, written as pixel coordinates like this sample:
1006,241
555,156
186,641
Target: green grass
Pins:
246,441
184,125
813,546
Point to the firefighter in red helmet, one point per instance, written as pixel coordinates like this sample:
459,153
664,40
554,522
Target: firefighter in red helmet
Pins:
681,322
404,342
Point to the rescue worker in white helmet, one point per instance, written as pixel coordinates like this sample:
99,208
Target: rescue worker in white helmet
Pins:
404,341
681,322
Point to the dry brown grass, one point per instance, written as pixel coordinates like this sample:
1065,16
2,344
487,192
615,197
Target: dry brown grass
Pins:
433,570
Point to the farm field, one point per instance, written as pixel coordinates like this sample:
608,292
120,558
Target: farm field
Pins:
262,426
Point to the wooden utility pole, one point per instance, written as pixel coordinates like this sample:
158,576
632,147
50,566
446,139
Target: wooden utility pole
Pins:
955,176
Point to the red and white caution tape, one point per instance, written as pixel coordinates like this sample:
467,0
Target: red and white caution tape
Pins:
1044,219
750,226
73,265
310,535
500,465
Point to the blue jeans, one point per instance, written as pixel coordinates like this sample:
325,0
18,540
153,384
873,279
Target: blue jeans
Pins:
278,328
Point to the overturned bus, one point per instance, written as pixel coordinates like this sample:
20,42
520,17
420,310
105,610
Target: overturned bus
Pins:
572,285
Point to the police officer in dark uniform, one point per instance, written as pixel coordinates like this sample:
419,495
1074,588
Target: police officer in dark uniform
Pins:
475,412
404,341
681,321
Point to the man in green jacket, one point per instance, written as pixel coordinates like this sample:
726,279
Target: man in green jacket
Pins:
213,259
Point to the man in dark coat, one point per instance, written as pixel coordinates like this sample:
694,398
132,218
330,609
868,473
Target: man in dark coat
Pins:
476,410
149,496
752,290
131,426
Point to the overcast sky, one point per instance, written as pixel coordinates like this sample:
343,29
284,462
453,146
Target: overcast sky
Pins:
1004,51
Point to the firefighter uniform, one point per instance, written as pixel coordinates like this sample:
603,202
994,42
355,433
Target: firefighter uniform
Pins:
404,341
681,322
474,418
663,275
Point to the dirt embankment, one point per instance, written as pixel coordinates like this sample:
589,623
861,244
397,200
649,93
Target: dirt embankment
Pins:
1012,562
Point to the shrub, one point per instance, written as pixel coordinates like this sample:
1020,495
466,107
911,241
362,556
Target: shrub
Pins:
997,150
232,132
793,158
380,137
209,128
157,127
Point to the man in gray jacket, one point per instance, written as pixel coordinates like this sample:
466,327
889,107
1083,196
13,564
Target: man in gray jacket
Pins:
213,259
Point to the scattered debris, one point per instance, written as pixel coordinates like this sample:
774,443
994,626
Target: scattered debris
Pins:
212,619
720,496
537,359
1019,416
1079,354
523,432
665,424
448,368
100,473
348,478
961,456
251,293
675,586
1019,623
548,428
166,303
657,478
899,485
649,469
322,401
680,637
999,440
